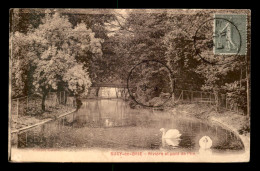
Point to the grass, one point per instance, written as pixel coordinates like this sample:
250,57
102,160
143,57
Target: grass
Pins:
37,116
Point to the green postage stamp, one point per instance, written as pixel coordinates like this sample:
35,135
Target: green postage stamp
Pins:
230,35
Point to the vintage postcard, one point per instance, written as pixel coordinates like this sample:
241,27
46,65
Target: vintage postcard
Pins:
129,85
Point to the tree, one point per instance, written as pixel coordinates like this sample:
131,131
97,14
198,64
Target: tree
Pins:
135,37
20,63
181,55
78,80
99,67
184,60
22,20
55,47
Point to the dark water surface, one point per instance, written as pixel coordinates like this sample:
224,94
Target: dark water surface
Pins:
112,124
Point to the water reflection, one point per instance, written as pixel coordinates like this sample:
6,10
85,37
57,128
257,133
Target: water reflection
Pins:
101,113
111,124
171,142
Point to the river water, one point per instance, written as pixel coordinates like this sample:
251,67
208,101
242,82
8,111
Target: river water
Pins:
112,125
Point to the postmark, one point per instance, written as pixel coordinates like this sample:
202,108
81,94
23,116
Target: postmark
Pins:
221,40
150,83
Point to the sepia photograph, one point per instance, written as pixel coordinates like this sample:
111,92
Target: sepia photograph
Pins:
129,85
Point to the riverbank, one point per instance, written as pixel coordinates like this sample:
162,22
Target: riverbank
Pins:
28,121
237,123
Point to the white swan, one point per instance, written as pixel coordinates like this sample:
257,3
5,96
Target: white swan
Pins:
108,123
171,137
205,142
171,133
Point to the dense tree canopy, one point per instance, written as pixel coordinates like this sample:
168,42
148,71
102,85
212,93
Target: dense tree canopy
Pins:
48,48
51,53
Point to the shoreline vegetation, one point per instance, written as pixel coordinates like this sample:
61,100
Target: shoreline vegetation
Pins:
237,123
29,121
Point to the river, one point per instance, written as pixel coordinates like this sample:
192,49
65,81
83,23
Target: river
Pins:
112,124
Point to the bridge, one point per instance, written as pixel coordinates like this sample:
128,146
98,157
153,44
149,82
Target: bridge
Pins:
110,85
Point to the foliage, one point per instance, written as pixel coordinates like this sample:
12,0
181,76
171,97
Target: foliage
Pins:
78,80
180,53
20,64
186,63
48,50
236,94
53,50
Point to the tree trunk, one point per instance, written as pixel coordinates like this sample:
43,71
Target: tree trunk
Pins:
172,79
216,101
97,92
43,101
241,77
78,102
248,90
